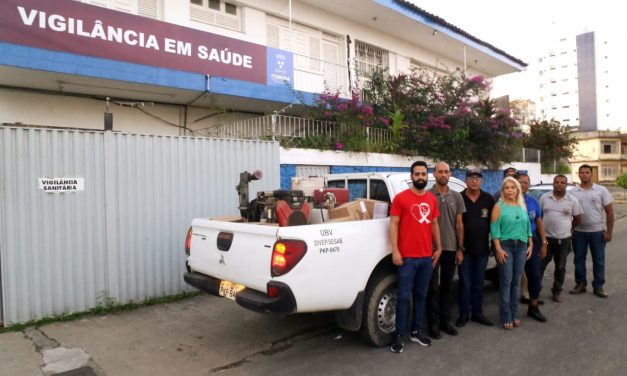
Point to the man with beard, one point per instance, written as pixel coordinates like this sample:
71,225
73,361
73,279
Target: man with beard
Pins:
593,231
439,298
413,232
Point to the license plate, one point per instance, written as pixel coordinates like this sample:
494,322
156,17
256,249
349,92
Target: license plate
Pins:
229,289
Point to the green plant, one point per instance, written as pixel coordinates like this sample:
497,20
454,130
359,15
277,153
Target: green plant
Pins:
622,183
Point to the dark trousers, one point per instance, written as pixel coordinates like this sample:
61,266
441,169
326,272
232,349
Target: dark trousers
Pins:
558,251
534,270
471,281
439,297
412,281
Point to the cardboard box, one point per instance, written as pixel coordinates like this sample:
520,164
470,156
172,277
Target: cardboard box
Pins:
355,209
376,209
361,209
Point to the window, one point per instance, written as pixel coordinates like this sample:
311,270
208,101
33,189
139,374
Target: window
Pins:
369,57
216,13
230,9
609,170
379,191
608,147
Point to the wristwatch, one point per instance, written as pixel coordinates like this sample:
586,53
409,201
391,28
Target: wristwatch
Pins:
461,248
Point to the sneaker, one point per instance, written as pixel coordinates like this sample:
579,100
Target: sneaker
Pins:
579,289
397,346
418,338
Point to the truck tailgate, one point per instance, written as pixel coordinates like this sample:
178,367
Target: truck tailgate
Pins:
246,261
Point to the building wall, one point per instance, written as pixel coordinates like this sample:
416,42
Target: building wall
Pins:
46,110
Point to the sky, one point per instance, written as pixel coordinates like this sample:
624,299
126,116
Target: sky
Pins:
522,28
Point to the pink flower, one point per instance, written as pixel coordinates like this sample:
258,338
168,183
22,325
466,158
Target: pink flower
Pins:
367,110
339,146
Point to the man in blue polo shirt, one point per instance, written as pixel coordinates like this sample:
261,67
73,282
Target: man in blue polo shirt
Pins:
532,266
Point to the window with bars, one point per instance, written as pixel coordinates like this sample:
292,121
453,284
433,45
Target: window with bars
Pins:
217,13
369,57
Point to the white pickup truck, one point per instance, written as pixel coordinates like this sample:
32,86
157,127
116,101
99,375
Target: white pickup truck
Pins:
339,266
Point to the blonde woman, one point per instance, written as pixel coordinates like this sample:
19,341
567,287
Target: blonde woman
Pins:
510,230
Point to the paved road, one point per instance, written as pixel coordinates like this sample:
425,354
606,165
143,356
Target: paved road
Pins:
206,335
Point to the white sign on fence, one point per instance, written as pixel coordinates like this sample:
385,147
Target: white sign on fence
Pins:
57,185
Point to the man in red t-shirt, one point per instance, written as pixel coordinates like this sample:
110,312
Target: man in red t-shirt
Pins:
413,231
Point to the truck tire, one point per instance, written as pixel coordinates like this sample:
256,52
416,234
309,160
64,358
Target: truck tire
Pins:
378,325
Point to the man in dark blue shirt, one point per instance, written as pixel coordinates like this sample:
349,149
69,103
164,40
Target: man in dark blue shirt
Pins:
533,265
476,221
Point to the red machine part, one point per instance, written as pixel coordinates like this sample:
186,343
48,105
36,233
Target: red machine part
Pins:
288,216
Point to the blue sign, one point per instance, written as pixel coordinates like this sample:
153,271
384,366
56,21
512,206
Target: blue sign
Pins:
280,66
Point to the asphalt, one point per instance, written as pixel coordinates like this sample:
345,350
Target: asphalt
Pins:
206,335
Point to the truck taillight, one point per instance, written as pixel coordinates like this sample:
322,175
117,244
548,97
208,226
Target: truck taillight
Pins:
188,241
285,255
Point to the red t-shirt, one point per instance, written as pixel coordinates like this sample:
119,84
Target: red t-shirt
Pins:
416,215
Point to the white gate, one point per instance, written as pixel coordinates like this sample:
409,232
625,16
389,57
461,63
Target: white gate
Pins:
89,218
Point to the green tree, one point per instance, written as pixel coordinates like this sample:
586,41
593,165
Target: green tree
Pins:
556,142
447,116
622,183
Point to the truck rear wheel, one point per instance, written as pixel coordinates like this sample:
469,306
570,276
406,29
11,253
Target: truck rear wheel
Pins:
379,318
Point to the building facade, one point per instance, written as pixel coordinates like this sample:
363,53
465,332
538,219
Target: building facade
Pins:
604,151
580,79
177,67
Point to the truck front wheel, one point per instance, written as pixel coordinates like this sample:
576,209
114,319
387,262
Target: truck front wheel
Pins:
378,326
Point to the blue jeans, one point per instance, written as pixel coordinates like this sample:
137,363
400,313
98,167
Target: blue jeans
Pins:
412,279
581,241
509,274
471,280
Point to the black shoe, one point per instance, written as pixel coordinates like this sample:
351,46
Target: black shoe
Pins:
418,338
534,312
524,300
600,293
434,333
449,329
579,289
540,302
462,320
481,319
397,346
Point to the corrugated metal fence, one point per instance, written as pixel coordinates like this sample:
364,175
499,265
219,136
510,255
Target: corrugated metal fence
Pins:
121,238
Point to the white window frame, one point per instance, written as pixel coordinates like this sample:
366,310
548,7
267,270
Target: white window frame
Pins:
368,57
220,18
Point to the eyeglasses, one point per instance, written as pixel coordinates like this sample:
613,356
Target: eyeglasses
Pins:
474,178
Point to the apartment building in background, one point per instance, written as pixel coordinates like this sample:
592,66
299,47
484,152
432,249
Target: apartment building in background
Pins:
580,82
177,67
